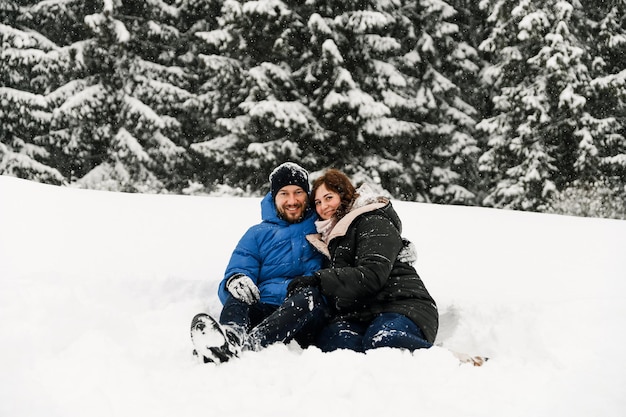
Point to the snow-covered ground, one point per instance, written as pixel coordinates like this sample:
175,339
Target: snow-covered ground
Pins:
97,291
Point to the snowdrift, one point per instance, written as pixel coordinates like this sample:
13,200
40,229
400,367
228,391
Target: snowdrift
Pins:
97,291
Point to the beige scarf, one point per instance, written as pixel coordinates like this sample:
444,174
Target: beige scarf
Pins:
324,227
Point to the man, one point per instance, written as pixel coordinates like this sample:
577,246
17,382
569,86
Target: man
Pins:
254,289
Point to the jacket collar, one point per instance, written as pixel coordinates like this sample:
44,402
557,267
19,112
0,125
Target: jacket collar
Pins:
341,228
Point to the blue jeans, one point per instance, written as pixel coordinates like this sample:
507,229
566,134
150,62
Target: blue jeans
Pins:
386,330
299,317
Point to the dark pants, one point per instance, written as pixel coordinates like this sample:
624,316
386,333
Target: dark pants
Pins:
299,318
386,330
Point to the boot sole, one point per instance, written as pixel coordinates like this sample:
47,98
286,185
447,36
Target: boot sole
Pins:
208,338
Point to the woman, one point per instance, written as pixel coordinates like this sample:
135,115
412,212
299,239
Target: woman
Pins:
378,300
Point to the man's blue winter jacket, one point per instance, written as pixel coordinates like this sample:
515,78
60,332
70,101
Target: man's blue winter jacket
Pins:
272,253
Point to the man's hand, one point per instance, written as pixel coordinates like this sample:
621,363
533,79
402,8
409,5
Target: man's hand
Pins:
243,289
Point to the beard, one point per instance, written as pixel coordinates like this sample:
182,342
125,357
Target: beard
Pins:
292,216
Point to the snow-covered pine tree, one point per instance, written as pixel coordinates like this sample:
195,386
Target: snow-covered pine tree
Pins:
195,16
443,68
605,121
112,125
558,97
249,90
599,186
539,76
163,83
350,42
60,20
31,65
23,118
219,86
383,84
10,11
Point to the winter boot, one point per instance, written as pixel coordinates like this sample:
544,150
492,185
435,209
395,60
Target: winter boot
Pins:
212,341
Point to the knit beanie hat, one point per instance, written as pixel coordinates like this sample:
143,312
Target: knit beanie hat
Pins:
288,173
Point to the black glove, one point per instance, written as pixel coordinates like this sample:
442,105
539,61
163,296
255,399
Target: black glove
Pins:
302,281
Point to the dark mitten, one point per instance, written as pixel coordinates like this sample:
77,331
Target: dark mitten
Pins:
300,282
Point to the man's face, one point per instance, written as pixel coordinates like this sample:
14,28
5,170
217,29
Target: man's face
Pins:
291,202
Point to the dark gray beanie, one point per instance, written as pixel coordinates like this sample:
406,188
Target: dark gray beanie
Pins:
288,173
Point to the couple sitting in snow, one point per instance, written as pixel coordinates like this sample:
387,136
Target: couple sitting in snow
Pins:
328,269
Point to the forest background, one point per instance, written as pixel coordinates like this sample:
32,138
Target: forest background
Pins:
495,103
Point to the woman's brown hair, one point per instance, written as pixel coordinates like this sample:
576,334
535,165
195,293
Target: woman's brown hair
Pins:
338,182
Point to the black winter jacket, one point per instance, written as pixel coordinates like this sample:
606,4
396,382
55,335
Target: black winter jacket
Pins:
362,277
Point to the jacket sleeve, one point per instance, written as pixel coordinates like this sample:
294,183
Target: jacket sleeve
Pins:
378,243
245,259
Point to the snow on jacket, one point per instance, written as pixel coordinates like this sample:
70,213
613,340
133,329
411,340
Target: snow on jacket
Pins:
363,277
273,252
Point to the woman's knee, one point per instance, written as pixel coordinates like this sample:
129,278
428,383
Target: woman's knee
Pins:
340,335
396,331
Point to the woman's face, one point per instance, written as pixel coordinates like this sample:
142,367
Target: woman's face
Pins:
326,202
